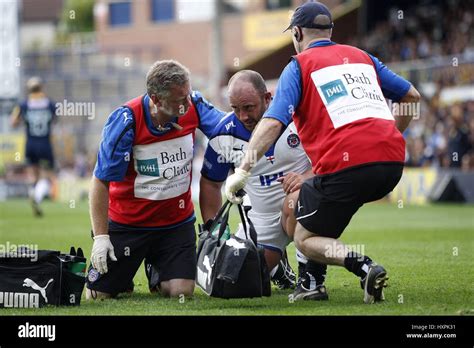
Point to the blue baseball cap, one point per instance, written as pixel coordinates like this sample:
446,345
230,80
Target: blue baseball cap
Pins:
305,16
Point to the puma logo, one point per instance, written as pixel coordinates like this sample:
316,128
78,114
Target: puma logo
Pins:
207,264
125,117
31,284
204,277
299,206
235,148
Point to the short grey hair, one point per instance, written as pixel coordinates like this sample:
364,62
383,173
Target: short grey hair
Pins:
164,74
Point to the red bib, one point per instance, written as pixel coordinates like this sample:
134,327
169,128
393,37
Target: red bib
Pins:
156,190
343,119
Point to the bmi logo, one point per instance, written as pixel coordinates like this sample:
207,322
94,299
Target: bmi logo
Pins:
333,90
148,167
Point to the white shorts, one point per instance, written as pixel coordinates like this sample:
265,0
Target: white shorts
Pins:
270,233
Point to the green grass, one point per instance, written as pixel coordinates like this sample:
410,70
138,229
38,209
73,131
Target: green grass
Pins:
427,251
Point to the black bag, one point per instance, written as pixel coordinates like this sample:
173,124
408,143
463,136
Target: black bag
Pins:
34,279
234,268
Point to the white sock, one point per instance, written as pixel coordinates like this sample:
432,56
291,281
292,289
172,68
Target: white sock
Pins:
31,191
365,268
300,258
42,190
272,273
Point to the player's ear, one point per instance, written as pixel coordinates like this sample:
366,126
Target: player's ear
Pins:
155,100
267,97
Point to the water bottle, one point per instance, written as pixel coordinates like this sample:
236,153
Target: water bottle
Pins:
78,267
77,262
225,235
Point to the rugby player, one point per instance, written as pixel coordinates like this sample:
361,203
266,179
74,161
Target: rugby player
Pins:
273,186
38,113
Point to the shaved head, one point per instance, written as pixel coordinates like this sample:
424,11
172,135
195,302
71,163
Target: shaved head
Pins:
250,76
248,97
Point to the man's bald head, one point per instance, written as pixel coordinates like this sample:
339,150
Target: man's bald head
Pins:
248,97
249,76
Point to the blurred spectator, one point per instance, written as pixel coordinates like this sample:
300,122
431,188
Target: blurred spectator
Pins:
443,135
459,144
421,31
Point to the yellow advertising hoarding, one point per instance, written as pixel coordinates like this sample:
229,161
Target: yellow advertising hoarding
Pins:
414,186
12,148
264,31
72,190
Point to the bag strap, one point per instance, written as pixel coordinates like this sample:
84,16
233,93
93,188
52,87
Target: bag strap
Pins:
224,221
223,215
211,224
247,224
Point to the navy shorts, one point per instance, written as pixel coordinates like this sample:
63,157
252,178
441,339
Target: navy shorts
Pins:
171,252
40,152
327,203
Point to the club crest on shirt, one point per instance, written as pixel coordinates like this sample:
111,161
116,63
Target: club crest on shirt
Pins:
93,275
293,140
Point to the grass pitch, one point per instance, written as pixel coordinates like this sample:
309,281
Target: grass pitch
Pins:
427,251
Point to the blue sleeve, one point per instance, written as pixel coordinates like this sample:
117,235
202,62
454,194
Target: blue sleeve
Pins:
52,108
209,116
115,149
288,94
394,87
215,167
23,107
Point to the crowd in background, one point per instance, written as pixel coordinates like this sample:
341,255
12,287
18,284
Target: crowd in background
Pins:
443,135
422,31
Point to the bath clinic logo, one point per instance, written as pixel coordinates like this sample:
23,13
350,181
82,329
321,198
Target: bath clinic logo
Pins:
350,92
171,165
333,90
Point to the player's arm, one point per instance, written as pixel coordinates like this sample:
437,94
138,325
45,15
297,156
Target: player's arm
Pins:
210,198
214,172
53,108
112,164
15,117
99,205
402,121
209,115
397,89
292,181
266,133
